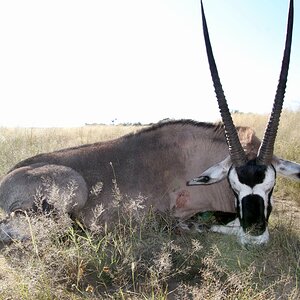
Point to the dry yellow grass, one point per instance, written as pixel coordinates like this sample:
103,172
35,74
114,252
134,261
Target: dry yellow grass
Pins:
287,145
145,258
288,142
19,143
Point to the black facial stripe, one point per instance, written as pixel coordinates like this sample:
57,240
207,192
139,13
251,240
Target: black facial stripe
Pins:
251,174
269,208
274,170
253,219
237,204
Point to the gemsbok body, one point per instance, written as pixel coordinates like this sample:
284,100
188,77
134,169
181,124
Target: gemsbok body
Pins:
161,163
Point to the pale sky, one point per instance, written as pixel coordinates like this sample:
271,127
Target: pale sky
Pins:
67,63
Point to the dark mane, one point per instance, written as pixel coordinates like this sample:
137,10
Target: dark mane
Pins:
181,122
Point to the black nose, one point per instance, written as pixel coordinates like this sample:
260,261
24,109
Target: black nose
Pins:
253,212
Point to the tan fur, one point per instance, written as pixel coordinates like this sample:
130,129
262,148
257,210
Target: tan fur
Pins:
249,141
156,163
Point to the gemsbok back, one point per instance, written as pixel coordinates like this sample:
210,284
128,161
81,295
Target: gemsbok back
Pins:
158,163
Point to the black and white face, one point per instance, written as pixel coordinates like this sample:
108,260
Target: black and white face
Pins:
252,186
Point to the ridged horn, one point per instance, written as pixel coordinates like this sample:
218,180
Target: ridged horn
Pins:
266,150
236,150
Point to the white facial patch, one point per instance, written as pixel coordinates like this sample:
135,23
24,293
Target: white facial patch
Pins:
247,239
234,228
261,189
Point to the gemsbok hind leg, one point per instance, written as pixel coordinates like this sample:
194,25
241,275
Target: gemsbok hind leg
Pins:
40,187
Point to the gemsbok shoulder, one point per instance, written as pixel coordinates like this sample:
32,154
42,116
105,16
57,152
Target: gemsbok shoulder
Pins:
161,163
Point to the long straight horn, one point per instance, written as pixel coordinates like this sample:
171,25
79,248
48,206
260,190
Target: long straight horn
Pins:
266,150
236,150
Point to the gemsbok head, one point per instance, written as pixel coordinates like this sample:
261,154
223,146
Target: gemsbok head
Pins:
252,181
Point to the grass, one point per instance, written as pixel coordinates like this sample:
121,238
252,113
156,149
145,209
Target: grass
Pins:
287,145
142,256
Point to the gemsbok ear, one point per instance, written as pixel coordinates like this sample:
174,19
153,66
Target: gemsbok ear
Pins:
286,168
213,174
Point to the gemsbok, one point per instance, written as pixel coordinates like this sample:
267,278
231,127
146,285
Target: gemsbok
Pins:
159,163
